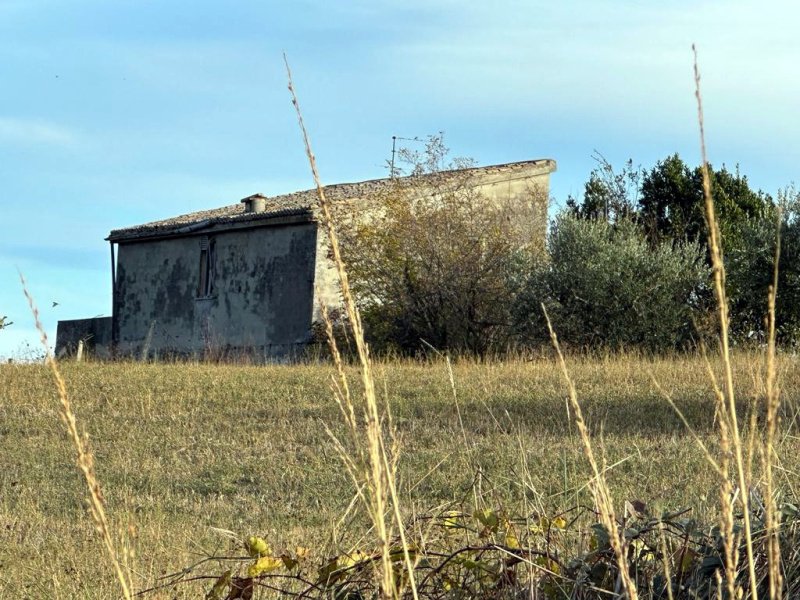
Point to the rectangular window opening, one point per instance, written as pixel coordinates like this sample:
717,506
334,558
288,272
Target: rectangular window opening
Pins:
205,287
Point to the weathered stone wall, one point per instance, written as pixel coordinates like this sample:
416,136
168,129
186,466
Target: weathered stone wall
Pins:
261,304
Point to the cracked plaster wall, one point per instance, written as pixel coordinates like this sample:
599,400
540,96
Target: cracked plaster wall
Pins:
261,304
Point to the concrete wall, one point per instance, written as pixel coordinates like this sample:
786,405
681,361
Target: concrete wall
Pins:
261,305
522,194
525,200
327,288
94,333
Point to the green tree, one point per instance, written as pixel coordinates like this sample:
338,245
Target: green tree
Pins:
750,265
667,201
608,194
605,285
4,322
669,207
671,202
788,300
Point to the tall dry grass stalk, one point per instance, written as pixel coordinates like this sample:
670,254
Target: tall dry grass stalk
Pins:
84,457
375,463
732,444
773,404
604,502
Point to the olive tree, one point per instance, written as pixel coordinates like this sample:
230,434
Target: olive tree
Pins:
606,285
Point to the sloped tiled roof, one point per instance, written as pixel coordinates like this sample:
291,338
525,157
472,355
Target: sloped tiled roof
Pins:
293,204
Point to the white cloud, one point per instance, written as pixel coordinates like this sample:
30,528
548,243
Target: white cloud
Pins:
34,131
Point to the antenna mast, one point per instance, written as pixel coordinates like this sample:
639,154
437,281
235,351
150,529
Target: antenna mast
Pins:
391,165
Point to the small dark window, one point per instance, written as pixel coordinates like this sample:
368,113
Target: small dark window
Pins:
205,287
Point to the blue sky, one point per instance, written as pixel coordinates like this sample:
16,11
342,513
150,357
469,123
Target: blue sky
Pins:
115,113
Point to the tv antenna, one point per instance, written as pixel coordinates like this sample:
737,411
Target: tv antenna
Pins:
392,172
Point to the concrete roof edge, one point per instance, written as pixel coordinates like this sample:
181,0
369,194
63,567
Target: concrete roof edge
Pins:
264,219
303,201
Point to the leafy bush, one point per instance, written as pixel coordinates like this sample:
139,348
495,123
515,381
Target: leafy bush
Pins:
604,285
436,262
485,552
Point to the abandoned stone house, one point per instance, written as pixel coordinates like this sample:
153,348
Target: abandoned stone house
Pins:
250,277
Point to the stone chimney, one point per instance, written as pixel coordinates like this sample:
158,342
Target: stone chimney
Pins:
255,203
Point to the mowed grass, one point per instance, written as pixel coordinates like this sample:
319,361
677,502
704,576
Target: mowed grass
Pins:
183,449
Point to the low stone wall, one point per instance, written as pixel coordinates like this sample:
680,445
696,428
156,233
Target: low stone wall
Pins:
94,333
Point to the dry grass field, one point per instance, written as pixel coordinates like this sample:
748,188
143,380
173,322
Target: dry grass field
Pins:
184,450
